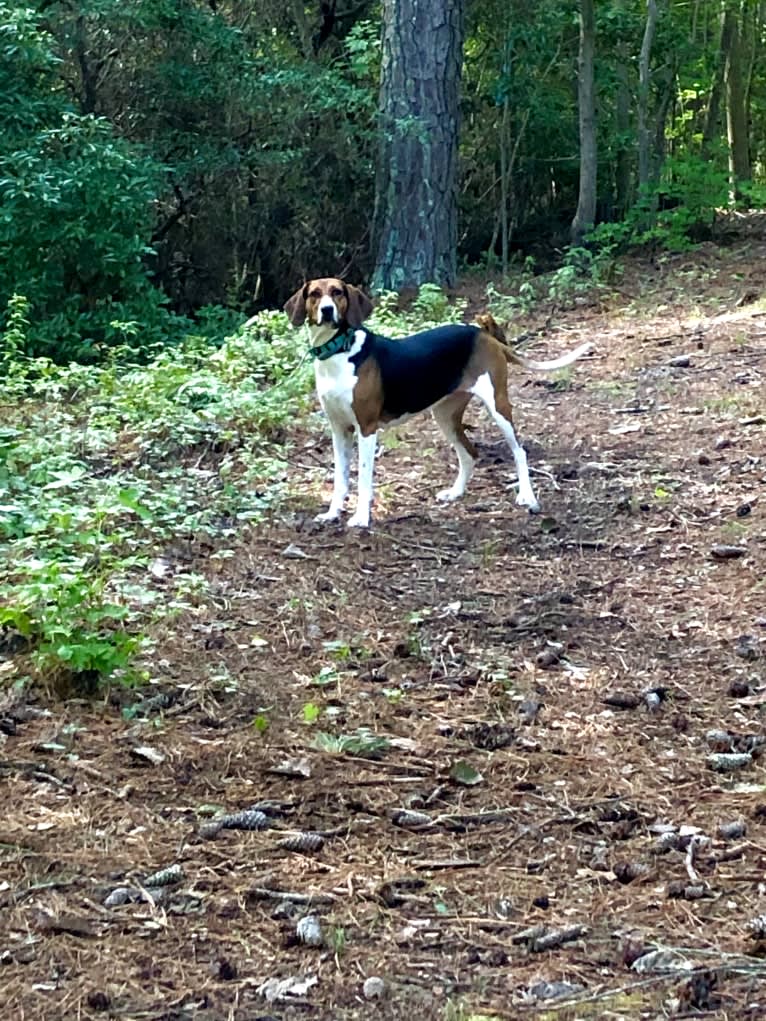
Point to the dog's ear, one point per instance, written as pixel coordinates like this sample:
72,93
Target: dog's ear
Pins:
295,307
359,306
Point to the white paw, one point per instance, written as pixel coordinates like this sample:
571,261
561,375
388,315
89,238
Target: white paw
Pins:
359,521
529,501
329,515
448,495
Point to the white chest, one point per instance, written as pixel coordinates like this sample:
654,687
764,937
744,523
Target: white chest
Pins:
335,381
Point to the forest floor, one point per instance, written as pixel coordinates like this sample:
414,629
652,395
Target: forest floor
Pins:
491,750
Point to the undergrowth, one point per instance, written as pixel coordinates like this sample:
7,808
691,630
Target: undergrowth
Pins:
102,467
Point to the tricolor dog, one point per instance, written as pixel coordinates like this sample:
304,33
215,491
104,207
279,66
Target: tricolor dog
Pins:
365,381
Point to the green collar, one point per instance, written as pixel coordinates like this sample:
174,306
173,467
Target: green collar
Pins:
342,341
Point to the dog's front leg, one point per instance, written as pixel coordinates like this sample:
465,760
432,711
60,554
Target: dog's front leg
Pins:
367,446
342,445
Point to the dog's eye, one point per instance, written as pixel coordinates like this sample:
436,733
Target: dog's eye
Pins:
315,294
336,292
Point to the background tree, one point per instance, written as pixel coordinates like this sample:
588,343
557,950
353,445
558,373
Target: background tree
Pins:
585,215
177,164
733,53
644,75
416,191
77,208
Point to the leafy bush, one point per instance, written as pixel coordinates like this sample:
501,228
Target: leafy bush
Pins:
76,212
13,342
430,307
76,215
678,211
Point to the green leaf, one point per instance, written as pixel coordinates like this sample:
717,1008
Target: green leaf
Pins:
129,498
363,744
67,478
464,773
311,712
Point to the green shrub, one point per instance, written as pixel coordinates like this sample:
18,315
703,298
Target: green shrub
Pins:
76,212
430,307
680,210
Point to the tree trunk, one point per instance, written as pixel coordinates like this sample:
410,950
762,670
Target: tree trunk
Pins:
751,34
415,221
586,203
713,109
736,106
644,75
667,95
623,163
88,68
504,185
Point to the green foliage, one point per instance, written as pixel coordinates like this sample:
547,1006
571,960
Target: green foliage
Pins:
13,342
505,306
311,712
100,465
680,210
688,196
363,46
581,271
430,307
463,772
29,97
68,622
363,744
75,211
261,723
337,940
223,157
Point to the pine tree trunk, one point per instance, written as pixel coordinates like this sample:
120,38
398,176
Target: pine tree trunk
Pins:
586,95
644,147
415,221
736,106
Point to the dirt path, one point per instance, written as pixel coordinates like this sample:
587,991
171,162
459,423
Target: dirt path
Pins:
545,810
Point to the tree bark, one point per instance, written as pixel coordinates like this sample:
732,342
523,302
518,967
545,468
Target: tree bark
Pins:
88,67
736,105
644,75
415,220
713,108
586,95
667,93
623,164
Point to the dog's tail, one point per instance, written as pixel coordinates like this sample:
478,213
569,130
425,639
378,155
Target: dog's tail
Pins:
489,324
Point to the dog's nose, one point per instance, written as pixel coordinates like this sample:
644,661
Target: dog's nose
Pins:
328,313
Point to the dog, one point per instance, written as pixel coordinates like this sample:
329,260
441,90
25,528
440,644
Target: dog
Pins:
365,381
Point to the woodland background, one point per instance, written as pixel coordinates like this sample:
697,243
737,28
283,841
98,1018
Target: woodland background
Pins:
169,166
471,764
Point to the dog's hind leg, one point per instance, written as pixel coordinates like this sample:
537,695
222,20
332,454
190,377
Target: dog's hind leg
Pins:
448,415
490,387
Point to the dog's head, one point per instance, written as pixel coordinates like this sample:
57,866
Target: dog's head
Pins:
328,302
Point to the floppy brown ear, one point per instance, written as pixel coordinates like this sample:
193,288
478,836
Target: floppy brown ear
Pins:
359,306
295,307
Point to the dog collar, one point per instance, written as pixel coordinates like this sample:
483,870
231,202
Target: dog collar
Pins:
342,341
